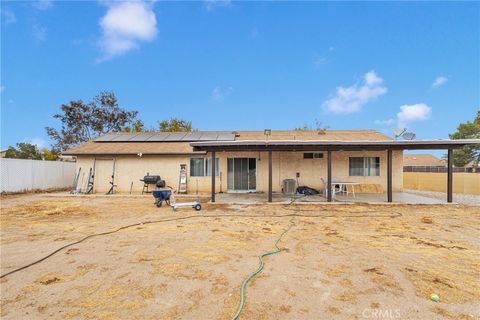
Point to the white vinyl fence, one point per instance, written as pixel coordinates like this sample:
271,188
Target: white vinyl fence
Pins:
23,175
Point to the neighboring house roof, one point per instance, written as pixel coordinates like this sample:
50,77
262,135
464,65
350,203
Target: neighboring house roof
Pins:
171,143
422,160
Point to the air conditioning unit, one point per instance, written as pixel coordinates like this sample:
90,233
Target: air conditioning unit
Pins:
289,186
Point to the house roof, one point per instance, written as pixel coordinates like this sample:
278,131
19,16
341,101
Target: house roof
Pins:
128,143
422,160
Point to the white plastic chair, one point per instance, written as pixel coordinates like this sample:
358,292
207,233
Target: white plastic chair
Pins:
325,189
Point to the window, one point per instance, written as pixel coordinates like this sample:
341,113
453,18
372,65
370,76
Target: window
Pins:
201,167
364,166
312,155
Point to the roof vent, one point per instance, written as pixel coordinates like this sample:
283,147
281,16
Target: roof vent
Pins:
236,133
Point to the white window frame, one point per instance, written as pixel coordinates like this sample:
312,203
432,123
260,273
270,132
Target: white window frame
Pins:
206,163
367,169
316,155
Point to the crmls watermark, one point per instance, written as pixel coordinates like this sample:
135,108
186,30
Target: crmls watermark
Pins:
381,314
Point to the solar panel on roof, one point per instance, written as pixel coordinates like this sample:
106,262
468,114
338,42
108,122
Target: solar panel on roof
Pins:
141,137
158,137
107,137
123,137
208,137
226,137
192,136
177,136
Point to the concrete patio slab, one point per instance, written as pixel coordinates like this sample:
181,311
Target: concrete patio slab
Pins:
253,198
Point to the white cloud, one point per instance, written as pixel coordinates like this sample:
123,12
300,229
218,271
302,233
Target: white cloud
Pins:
125,25
210,5
39,33
413,112
8,16
42,4
218,93
319,61
39,142
352,99
441,80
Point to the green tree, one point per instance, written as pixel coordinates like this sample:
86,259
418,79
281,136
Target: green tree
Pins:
81,122
23,151
316,126
175,125
49,154
136,126
467,130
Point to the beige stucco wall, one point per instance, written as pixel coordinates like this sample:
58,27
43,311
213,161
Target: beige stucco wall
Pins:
285,165
463,182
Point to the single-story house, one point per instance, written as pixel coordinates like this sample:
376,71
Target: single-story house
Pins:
422,160
250,161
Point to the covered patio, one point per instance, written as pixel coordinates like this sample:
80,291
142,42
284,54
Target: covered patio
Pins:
253,198
330,147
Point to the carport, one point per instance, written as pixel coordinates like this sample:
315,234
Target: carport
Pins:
330,147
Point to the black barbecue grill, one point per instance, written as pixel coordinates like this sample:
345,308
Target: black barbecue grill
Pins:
150,180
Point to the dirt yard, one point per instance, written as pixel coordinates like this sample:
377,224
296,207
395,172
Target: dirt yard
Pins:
344,261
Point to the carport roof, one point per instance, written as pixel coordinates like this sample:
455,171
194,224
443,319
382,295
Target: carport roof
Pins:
333,145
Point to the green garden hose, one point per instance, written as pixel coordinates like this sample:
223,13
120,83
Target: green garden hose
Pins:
260,267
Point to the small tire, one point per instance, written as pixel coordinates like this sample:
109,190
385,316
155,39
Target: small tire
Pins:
198,207
159,204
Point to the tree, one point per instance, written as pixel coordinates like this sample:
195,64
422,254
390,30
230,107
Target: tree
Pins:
175,125
137,126
23,151
51,155
82,122
467,130
317,126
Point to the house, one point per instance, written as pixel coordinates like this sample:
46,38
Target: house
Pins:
250,161
428,160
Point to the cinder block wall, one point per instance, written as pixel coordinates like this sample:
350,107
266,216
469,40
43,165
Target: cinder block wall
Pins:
463,182
285,165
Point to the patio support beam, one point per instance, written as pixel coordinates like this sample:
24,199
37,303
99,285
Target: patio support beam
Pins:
329,176
389,176
213,176
270,176
450,176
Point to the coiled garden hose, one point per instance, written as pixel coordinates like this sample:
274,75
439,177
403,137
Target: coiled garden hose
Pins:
260,268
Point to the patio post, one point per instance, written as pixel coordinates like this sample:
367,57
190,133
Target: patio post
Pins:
270,176
213,176
389,175
329,176
450,176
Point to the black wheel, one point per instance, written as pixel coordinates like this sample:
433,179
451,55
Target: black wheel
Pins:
158,203
198,207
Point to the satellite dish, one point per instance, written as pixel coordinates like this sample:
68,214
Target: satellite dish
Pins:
398,132
409,135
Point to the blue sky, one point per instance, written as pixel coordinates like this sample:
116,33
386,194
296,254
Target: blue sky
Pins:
244,65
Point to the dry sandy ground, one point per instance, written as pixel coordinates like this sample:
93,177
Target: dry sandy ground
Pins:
348,262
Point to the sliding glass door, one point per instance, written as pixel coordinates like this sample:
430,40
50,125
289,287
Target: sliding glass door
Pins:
242,174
